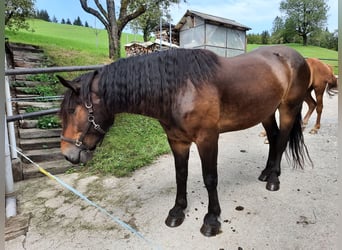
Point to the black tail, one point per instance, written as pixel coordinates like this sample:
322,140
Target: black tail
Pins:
297,148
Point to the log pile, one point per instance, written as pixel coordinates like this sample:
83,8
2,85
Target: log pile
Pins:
140,48
165,36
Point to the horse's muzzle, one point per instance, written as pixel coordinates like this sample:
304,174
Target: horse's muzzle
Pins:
76,155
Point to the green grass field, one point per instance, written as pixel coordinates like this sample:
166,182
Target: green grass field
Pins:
69,44
326,55
134,141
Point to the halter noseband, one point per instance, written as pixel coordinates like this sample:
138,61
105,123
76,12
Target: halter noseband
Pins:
91,121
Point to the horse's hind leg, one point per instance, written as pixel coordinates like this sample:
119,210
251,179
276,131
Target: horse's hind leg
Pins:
290,125
272,132
207,145
319,109
311,107
180,152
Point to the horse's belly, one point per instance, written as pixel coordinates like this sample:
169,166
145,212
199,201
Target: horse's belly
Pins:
229,125
244,118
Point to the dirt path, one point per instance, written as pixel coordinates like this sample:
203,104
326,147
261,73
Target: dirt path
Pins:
302,215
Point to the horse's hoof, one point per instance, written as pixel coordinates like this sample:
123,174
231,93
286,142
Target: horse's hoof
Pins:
271,186
172,221
263,177
211,230
313,131
211,226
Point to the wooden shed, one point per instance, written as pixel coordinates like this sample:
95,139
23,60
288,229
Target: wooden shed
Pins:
223,36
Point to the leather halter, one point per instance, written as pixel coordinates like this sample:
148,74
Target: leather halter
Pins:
91,122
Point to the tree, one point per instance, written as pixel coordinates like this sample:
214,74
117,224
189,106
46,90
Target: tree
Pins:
63,21
325,39
43,15
290,34
68,21
16,13
265,36
253,38
147,22
54,19
114,22
78,21
277,30
306,16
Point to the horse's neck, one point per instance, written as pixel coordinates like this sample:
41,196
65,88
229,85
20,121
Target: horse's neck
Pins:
147,110
147,105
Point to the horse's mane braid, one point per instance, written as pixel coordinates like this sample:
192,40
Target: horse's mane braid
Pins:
156,76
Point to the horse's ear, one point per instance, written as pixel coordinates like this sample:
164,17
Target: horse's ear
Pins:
67,84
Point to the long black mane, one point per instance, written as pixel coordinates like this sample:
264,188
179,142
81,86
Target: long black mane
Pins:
152,80
147,82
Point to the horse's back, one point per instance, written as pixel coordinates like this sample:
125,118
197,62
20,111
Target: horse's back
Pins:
319,69
254,85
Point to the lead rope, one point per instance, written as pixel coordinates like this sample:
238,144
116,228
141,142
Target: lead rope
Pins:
83,197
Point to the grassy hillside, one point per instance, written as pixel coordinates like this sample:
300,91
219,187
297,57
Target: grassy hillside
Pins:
69,44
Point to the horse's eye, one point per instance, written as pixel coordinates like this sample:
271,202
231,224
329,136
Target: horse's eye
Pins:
71,111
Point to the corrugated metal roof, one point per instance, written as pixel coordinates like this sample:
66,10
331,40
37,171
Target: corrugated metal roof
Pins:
214,19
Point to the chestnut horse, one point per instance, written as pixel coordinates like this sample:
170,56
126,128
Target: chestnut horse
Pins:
322,78
195,95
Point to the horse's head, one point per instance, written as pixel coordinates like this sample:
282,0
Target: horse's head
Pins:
85,119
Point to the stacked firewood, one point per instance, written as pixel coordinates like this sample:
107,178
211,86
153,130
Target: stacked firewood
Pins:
165,36
136,48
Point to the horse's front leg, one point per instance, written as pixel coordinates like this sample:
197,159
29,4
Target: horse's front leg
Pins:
180,152
207,148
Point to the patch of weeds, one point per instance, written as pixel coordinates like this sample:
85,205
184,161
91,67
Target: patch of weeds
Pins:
42,90
31,109
71,170
49,121
133,142
18,84
43,78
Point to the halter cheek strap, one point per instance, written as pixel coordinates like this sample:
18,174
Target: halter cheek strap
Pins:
91,122
91,119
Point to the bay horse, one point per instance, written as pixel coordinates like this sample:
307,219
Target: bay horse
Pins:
322,78
195,95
